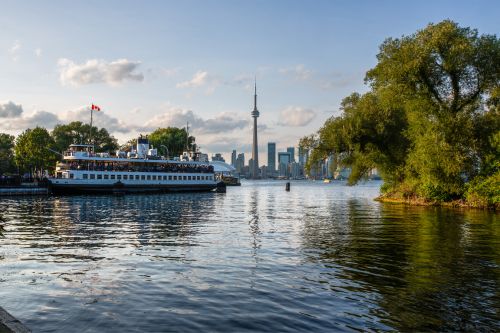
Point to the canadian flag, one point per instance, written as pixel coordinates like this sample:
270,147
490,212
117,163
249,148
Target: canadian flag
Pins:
95,107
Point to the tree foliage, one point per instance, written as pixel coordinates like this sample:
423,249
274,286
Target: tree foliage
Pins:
430,120
79,133
32,151
173,138
6,153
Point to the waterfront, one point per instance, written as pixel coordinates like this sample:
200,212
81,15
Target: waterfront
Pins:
321,257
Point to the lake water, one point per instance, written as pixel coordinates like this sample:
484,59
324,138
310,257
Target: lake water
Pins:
322,257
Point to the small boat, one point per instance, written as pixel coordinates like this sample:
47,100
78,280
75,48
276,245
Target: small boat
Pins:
326,181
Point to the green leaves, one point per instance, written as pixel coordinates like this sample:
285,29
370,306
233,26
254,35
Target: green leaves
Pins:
431,120
172,138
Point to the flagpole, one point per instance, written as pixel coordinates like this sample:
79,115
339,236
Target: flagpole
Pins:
90,132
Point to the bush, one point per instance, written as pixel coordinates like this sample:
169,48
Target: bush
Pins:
484,191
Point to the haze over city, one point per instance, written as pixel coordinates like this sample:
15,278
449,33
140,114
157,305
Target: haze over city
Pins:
158,64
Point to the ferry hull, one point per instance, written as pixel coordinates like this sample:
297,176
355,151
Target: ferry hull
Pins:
127,188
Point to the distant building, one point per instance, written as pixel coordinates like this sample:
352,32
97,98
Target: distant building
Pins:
302,156
284,160
271,157
264,172
295,170
233,158
218,157
291,150
240,163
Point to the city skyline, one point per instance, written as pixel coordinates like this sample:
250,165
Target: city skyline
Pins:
146,73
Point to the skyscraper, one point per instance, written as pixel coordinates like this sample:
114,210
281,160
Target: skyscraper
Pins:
254,167
271,157
233,158
291,150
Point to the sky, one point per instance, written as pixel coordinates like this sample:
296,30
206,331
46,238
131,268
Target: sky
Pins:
151,64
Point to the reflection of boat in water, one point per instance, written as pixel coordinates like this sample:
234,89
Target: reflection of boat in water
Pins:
140,170
326,180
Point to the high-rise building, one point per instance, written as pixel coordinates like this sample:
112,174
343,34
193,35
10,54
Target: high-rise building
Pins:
302,156
271,157
240,163
284,159
218,157
233,158
291,150
254,167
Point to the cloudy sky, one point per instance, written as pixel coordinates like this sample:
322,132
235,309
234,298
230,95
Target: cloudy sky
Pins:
151,64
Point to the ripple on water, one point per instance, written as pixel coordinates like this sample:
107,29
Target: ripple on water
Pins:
322,257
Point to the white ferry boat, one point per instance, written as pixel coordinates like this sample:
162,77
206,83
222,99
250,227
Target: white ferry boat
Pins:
140,170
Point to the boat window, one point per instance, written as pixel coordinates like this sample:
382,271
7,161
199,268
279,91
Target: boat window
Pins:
92,176
99,176
189,177
198,178
184,177
136,177
118,177
148,177
164,177
169,177
154,177
143,177
125,176
112,176
175,177
85,176
106,176
71,176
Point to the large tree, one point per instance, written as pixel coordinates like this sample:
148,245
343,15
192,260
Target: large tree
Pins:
78,133
431,121
33,151
172,138
6,153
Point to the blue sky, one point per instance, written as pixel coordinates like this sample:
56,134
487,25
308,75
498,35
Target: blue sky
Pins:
161,63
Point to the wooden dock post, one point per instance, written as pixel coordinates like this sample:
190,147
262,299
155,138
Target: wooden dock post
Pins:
287,187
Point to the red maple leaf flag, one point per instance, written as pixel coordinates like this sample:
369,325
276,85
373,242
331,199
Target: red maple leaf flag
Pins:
95,107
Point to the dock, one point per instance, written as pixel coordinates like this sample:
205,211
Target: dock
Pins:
9,324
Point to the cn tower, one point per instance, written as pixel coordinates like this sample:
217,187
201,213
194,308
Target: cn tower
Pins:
254,169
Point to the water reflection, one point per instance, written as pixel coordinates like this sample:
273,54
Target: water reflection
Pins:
317,258
430,268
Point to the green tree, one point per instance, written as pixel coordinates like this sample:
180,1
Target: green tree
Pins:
173,138
6,154
431,119
32,151
78,133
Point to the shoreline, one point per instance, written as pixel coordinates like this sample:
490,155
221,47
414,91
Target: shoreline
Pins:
415,201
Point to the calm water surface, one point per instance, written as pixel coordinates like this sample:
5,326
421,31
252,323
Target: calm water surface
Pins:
323,257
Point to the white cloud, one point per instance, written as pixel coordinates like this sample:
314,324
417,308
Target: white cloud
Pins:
296,116
38,52
178,117
98,71
299,72
100,119
200,78
14,50
9,109
38,118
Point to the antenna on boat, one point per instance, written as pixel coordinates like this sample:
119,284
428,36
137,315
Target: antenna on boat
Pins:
187,136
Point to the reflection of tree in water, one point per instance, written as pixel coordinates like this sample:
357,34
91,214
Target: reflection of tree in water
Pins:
433,269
